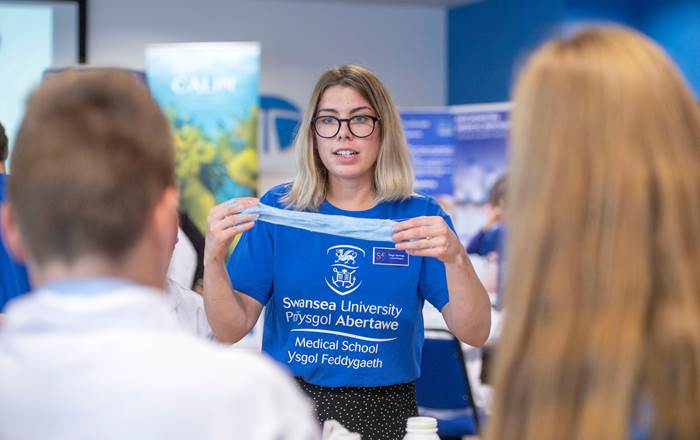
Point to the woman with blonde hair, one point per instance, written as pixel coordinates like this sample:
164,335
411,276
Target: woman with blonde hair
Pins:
602,337
344,313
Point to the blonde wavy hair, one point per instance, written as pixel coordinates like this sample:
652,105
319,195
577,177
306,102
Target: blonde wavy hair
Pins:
603,282
393,173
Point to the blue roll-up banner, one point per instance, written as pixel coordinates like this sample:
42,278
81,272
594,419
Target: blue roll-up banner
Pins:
431,139
209,92
480,137
458,153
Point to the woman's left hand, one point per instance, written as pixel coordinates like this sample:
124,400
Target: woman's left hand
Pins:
428,237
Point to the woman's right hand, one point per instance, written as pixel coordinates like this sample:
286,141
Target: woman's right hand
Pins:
224,223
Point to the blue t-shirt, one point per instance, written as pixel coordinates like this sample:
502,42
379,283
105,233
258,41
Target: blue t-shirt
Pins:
341,311
486,242
13,276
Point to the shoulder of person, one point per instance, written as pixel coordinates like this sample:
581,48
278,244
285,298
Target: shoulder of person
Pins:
424,205
238,369
270,393
242,389
257,373
273,195
258,363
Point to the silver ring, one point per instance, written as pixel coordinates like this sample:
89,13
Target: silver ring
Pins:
428,237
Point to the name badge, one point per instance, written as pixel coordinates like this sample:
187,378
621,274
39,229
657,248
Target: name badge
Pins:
389,257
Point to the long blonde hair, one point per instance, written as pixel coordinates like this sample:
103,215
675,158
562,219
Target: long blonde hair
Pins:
393,173
603,281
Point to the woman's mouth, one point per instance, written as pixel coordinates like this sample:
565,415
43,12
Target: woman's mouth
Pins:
345,153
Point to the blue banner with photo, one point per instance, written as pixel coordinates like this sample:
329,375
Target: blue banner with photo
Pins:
430,137
458,154
480,137
209,92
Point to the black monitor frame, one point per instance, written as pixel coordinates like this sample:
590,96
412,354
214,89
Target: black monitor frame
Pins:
82,28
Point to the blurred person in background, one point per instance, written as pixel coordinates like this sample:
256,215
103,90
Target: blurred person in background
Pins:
602,334
488,241
489,238
94,351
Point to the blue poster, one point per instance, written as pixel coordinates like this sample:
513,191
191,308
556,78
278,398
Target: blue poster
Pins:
481,158
209,92
430,137
481,138
458,154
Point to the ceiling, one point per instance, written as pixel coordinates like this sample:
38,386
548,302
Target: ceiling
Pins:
436,3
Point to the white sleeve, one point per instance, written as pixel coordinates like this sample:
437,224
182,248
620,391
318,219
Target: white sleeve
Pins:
188,308
183,262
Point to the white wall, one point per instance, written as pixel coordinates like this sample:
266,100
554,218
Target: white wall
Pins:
404,45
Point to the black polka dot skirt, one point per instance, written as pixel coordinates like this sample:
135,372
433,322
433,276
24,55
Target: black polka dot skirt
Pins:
377,413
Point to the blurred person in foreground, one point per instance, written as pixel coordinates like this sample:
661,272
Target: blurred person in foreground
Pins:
94,351
185,304
602,337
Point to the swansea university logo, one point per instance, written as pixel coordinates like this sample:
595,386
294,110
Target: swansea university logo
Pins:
344,262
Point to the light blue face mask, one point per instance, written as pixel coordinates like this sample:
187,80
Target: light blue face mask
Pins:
363,228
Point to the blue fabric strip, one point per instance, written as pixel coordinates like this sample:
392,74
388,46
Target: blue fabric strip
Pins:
344,226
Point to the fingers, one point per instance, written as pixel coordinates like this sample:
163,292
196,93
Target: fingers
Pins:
231,207
417,234
429,246
219,240
415,222
225,222
426,237
419,229
236,222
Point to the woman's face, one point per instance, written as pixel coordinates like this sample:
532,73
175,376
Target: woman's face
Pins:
346,155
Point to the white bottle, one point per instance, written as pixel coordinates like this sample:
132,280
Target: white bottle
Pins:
421,428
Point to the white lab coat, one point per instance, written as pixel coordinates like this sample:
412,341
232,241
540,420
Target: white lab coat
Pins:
117,365
188,308
183,262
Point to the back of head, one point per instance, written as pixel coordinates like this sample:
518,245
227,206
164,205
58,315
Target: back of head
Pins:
92,156
393,176
604,244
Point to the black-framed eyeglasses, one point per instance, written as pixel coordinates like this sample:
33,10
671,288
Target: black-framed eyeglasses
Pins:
360,126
